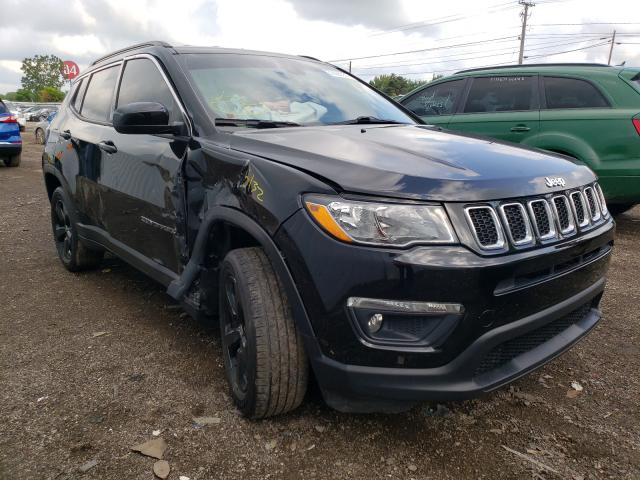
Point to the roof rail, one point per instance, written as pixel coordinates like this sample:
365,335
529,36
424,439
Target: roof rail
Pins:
310,58
152,43
500,67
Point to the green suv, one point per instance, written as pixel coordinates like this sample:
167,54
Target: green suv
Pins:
590,112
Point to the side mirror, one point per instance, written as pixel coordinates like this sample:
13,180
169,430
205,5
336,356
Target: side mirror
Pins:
143,118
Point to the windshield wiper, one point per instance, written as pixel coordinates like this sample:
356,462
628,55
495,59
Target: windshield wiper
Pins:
368,120
253,123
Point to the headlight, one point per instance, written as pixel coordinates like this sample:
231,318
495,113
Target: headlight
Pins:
394,224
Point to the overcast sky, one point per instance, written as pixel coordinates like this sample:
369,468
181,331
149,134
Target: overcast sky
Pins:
443,36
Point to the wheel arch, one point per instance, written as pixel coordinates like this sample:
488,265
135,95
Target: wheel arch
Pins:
568,145
230,225
51,182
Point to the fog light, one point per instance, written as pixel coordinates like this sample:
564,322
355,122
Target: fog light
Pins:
375,322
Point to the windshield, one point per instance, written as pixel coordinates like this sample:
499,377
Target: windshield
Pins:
276,89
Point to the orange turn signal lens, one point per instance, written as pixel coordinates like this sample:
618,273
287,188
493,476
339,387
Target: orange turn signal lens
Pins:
326,221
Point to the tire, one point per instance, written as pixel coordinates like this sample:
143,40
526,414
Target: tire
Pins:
620,208
74,255
13,161
264,359
40,136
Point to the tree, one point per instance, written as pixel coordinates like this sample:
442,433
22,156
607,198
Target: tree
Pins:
51,94
41,71
23,96
394,85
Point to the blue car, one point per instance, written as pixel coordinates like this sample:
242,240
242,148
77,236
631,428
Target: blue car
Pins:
10,140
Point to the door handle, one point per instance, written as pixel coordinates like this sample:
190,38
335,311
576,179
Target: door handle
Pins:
520,128
107,146
66,135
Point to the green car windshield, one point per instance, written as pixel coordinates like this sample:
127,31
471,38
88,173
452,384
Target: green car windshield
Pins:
282,89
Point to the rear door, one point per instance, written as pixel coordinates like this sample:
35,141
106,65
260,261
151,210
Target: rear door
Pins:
436,104
505,107
80,135
139,175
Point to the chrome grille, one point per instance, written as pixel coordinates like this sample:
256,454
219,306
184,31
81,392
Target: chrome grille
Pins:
518,228
485,227
530,221
594,208
603,203
541,219
562,211
579,209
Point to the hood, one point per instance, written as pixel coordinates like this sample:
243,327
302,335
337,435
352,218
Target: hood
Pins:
413,161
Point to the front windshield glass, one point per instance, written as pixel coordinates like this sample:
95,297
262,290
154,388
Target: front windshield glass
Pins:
276,89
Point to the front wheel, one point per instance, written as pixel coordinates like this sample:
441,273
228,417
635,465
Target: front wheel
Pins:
264,359
74,255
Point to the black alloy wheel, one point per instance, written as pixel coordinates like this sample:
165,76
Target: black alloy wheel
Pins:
234,338
62,230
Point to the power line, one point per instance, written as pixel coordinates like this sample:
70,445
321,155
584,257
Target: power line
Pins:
461,56
584,23
501,63
499,39
445,19
567,51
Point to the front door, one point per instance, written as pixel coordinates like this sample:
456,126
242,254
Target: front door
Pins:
139,172
501,106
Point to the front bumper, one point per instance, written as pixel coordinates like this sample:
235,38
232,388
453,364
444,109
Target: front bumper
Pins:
545,299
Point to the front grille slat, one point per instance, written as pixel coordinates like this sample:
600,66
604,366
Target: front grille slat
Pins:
485,227
541,219
563,215
592,202
518,227
579,209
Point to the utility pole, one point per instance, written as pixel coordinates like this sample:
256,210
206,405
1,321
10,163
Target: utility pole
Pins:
613,42
525,16
349,66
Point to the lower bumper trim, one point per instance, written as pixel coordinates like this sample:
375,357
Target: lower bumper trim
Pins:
491,361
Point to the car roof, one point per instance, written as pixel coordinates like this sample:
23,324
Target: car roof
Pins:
154,45
598,68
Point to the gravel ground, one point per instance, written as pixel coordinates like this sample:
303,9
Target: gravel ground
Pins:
92,364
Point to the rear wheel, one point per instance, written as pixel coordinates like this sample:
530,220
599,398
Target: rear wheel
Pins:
74,255
264,358
13,161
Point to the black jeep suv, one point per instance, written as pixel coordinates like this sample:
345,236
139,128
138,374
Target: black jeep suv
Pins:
325,226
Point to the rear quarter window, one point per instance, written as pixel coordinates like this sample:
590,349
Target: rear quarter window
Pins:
563,92
3,107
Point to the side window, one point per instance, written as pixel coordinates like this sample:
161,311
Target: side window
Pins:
97,100
79,94
436,100
500,94
572,93
143,82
